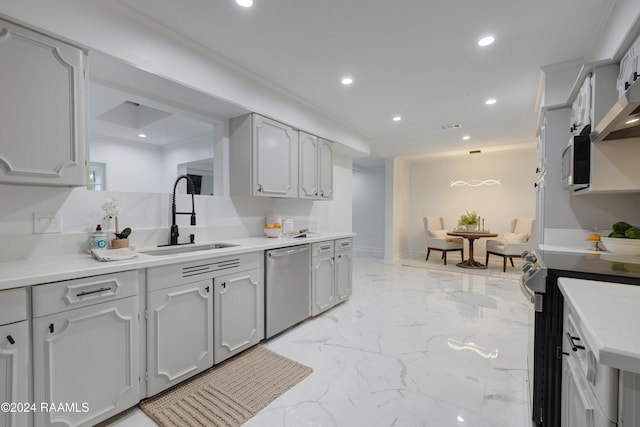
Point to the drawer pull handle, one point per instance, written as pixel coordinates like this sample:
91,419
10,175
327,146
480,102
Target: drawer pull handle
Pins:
11,340
51,327
324,248
96,291
573,346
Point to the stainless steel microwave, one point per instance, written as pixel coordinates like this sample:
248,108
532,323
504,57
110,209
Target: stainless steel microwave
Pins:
576,162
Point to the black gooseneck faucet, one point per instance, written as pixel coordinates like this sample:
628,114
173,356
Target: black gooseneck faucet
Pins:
174,226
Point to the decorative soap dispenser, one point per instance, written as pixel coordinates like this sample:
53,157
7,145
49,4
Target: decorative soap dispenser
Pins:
99,238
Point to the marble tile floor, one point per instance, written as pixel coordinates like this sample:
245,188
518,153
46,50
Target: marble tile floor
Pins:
412,347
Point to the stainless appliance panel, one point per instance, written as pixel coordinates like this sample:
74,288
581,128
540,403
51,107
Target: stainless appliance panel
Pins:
287,288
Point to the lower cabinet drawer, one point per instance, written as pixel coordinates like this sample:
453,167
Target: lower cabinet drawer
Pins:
69,294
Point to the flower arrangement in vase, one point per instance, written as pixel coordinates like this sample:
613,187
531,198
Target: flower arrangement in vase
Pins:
111,208
469,220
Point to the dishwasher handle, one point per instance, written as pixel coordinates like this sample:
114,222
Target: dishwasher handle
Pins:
286,252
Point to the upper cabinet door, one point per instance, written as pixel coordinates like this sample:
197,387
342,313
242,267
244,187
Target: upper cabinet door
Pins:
308,187
43,129
629,68
325,169
275,158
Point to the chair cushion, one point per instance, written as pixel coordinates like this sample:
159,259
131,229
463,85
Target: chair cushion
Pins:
438,234
515,237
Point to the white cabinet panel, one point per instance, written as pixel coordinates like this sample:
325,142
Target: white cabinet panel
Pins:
87,357
308,186
179,334
331,274
322,283
344,263
15,372
263,157
316,168
239,313
325,170
42,109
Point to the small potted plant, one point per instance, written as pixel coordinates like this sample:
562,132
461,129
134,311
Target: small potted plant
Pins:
470,220
111,208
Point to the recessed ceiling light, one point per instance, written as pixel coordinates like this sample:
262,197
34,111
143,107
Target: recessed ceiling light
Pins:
486,41
397,118
628,122
347,81
490,101
245,3
142,135
466,137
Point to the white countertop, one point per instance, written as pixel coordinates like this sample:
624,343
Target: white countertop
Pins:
609,317
14,274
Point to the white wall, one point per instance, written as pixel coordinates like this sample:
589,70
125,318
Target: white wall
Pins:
369,207
432,195
129,165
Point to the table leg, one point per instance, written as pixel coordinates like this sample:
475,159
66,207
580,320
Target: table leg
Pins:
471,263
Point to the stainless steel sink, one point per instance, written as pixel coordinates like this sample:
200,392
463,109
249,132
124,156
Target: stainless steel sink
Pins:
182,249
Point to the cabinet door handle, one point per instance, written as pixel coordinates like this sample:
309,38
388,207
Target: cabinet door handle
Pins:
573,345
11,340
206,289
95,291
224,285
627,85
51,327
635,76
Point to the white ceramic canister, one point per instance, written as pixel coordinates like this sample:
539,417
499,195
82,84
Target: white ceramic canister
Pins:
287,226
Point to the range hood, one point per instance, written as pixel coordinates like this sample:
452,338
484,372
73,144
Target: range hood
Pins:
623,119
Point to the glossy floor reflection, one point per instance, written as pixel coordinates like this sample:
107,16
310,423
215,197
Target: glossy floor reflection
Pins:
412,347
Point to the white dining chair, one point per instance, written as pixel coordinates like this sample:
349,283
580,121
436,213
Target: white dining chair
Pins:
518,239
437,239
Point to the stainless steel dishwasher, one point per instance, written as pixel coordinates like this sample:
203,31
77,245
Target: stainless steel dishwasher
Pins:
287,288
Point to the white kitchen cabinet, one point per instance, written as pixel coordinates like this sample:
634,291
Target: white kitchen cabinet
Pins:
331,274
322,277
42,109
263,156
629,68
344,269
15,357
316,167
581,108
179,333
85,348
308,148
325,169
239,312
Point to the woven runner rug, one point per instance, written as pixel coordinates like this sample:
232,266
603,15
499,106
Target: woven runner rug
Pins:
227,394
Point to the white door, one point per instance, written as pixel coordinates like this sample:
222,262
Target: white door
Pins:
87,358
15,372
322,284
325,172
275,158
42,109
239,313
179,334
308,146
344,262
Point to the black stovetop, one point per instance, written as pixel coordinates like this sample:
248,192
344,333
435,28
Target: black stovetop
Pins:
604,266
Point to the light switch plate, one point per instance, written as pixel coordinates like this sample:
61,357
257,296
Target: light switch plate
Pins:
47,222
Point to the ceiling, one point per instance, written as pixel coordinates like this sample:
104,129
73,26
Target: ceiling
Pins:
417,59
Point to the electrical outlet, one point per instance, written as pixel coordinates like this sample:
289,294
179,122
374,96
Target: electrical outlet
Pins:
47,222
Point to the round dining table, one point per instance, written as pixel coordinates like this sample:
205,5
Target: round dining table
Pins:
471,236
